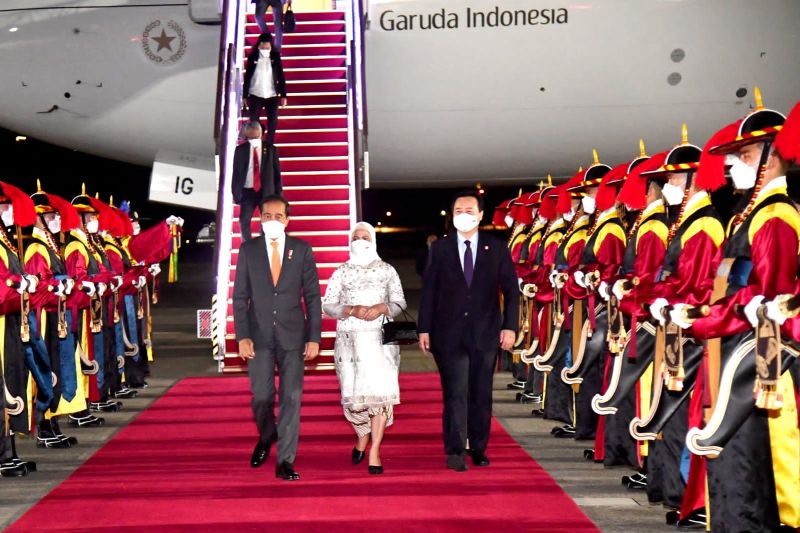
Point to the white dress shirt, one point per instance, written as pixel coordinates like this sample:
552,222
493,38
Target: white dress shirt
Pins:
463,248
263,83
256,144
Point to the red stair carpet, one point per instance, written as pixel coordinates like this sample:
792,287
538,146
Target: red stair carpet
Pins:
182,466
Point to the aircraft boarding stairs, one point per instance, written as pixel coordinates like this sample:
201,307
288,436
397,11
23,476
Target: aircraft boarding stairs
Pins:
314,143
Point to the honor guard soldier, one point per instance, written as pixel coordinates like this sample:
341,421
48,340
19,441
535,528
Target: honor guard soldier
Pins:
52,317
752,430
16,210
644,255
84,266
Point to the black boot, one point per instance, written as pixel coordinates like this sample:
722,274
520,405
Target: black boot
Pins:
84,418
47,438
57,430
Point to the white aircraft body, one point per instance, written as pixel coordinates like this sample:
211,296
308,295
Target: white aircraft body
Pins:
457,90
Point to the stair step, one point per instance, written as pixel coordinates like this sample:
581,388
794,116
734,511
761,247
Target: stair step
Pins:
322,49
306,26
304,17
310,136
292,179
310,149
314,73
290,39
318,98
299,193
337,208
315,86
314,62
300,164
312,110
316,122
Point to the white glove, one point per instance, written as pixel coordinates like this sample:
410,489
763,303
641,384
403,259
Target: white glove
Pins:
180,221
657,310
555,281
60,288
603,290
90,288
139,282
677,316
552,278
116,283
172,220
579,279
617,289
520,283
774,312
155,269
23,285
69,284
751,308
101,289
33,282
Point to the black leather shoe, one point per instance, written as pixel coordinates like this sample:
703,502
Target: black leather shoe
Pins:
375,469
260,454
516,385
538,413
479,458
457,462
286,471
358,456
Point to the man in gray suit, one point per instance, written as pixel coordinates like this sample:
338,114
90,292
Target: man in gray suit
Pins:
275,276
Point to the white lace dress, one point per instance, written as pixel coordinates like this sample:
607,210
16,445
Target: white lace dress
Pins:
367,369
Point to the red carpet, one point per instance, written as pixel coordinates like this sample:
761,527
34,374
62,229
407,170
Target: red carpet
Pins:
183,465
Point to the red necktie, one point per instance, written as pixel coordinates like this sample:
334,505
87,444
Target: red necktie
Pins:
256,171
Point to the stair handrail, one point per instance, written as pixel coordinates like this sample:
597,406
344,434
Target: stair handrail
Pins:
226,132
357,106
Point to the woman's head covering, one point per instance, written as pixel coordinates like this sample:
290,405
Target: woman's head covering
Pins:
368,256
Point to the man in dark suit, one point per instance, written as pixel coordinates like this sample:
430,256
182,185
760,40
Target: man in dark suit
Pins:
256,174
275,277
460,321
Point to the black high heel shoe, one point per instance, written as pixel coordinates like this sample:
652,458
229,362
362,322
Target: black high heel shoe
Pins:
375,470
358,455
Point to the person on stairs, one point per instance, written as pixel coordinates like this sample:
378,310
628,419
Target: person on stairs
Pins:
265,84
254,176
277,17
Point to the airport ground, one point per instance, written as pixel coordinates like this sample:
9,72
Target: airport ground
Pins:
597,490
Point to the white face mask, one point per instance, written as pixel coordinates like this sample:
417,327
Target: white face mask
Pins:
136,228
743,175
93,226
8,216
254,142
361,247
568,216
263,53
672,194
273,229
54,225
588,205
509,221
465,222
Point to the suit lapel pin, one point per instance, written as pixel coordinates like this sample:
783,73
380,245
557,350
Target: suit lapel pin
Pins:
289,257
486,247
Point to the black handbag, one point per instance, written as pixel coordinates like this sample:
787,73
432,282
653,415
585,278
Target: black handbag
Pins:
289,22
399,331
